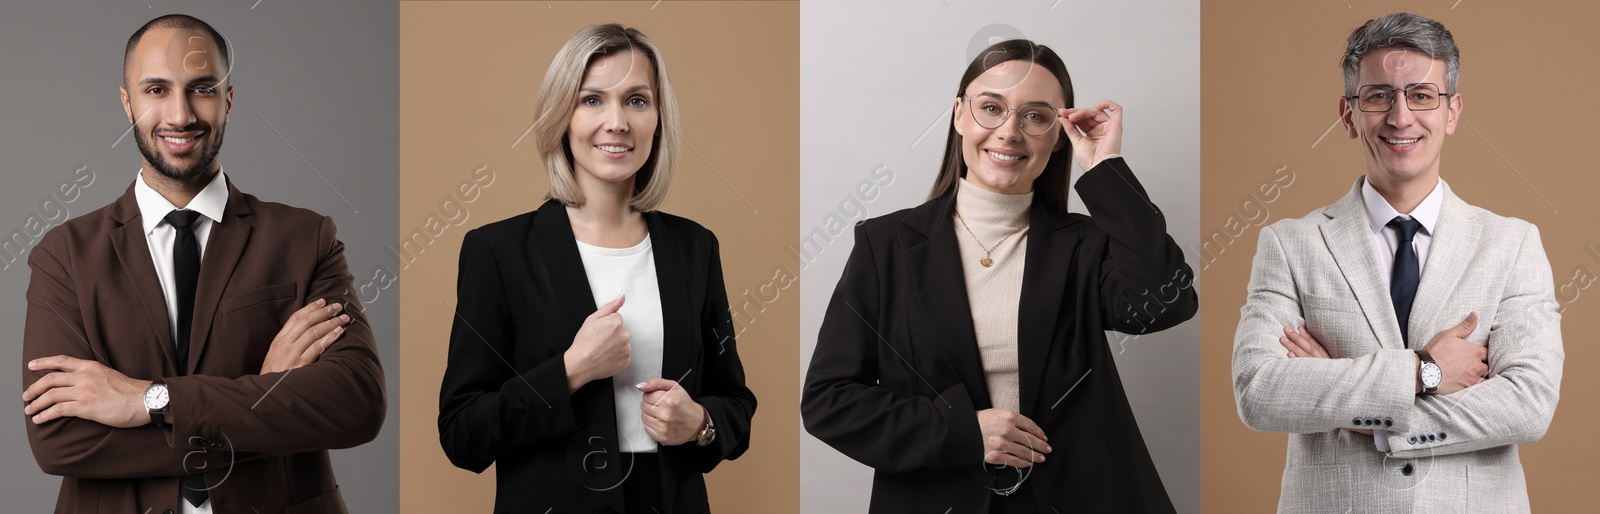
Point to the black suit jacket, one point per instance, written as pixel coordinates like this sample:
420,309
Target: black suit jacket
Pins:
521,296
896,379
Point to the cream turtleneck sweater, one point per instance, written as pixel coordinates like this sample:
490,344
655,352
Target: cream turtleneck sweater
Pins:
995,292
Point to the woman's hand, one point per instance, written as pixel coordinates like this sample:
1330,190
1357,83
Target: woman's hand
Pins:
1095,133
600,349
1011,439
671,417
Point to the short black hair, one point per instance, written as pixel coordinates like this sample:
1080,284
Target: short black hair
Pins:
176,21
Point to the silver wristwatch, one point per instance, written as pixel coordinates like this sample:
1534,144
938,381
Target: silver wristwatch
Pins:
1429,373
155,401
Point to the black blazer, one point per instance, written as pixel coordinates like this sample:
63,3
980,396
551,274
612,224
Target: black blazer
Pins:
521,296
896,380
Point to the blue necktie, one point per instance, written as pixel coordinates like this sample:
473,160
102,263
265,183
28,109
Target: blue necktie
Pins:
1403,283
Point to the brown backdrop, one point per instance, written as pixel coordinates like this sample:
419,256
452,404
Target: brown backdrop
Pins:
1271,82
469,72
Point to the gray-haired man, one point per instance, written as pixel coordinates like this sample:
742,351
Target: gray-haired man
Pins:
1407,341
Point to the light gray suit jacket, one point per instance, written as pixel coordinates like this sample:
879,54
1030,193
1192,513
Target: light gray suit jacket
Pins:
1450,453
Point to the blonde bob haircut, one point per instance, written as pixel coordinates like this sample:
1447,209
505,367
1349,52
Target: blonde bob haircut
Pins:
558,97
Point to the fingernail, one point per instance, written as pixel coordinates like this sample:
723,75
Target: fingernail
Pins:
639,386
344,317
33,364
338,307
322,301
338,330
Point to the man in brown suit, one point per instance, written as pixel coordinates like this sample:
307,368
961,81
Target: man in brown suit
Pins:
168,368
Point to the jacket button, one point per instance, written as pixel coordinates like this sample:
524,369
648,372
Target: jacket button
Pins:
1355,421
1431,438
1412,440
1406,470
1388,422
1441,436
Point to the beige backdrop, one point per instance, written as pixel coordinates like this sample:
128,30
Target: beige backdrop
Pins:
468,74
1271,82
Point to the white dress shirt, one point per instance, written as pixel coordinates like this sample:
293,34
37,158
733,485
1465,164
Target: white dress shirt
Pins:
1386,239
630,271
153,210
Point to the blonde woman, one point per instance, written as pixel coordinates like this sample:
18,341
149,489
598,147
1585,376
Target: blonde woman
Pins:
592,356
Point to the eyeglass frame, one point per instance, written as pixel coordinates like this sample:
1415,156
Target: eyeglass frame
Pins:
1357,96
1010,111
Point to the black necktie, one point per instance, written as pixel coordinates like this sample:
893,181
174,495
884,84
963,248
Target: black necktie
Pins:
186,276
1403,283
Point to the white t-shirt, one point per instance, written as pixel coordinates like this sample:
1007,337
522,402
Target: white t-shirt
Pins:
630,271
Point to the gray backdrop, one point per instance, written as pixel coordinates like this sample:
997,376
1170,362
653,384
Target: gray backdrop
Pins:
877,83
324,74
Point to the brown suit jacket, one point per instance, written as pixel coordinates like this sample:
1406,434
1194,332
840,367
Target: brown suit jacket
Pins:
261,441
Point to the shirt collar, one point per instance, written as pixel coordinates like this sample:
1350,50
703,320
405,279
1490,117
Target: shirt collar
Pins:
1380,213
153,208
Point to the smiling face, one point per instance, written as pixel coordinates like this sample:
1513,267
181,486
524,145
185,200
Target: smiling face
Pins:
1005,159
175,94
1401,145
614,123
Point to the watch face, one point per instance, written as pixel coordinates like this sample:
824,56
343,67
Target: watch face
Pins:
1431,375
155,397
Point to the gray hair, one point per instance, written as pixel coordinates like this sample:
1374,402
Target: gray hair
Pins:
1403,30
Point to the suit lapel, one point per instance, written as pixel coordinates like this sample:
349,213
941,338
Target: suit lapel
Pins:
1044,282
223,251
937,282
680,348
133,252
1349,238
559,265
1449,254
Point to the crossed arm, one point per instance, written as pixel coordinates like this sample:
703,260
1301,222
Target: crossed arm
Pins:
1504,393
87,419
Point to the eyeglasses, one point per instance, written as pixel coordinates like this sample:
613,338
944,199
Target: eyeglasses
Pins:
990,112
1380,98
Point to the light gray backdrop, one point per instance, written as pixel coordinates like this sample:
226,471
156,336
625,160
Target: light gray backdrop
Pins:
877,83
314,124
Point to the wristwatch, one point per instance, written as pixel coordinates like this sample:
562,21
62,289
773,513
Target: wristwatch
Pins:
709,433
155,401
1429,373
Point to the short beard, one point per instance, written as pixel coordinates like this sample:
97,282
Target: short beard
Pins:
147,147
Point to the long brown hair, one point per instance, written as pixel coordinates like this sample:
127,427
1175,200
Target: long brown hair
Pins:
1053,183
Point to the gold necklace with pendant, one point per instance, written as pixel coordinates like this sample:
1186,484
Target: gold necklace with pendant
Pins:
987,251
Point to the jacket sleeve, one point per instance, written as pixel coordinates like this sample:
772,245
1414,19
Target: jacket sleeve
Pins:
1145,285
81,448
486,407
722,390
1515,405
336,402
1277,394
844,406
